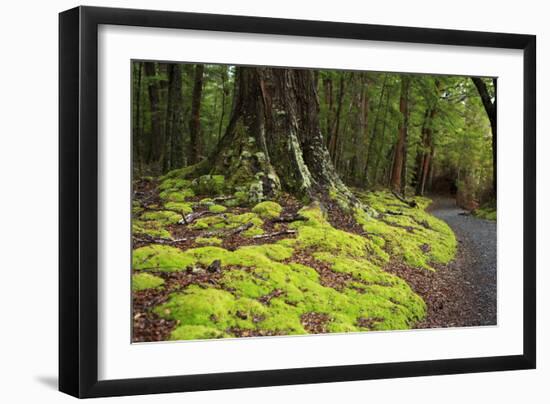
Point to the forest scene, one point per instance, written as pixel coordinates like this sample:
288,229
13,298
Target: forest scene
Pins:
274,201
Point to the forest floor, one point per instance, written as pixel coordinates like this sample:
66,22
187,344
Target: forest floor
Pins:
464,292
208,264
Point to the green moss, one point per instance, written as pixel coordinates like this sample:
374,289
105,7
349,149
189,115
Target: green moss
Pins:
149,228
412,235
164,217
180,207
209,185
176,195
161,257
174,184
265,269
146,281
253,231
209,240
206,201
211,308
228,221
488,213
317,234
268,209
193,332
217,208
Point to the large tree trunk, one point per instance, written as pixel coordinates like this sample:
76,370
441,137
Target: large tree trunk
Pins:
399,157
273,138
491,109
156,129
195,144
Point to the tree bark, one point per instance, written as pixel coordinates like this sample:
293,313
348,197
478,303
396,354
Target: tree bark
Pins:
399,157
334,138
195,144
274,139
373,136
154,101
173,156
137,141
491,110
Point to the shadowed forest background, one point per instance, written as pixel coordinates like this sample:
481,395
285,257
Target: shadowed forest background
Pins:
277,201
414,133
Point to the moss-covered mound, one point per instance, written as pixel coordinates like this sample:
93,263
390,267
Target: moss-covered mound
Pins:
411,234
318,272
487,213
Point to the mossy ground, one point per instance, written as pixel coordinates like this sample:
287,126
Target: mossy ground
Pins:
487,212
269,288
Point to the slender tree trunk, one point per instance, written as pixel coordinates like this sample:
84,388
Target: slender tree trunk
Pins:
380,148
404,168
361,132
173,156
224,96
195,144
275,128
137,141
491,110
373,136
156,127
327,83
426,151
334,138
399,158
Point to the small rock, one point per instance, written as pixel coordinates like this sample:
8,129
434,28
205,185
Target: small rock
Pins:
215,266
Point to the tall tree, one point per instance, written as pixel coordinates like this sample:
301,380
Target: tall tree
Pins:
195,143
156,135
374,135
335,131
275,128
173,155
399,156
489,103
137,122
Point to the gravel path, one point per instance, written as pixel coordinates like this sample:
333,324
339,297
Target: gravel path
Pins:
463,293
475,267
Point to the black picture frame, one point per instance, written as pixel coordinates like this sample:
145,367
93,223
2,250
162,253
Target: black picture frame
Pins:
78,196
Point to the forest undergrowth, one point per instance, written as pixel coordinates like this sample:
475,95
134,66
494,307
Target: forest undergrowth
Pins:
209,263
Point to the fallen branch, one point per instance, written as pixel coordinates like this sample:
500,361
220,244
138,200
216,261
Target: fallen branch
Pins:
191,217
289,218
223,198
229,232
412,203
148,239
277,233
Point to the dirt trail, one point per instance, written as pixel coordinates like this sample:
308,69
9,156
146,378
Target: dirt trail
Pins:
471,278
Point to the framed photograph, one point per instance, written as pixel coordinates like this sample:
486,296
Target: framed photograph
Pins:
251,201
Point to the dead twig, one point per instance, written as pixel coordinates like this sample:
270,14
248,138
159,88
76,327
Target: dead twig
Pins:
275,234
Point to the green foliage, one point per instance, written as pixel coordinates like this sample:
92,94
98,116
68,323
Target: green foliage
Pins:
144,281
487,213
209,185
